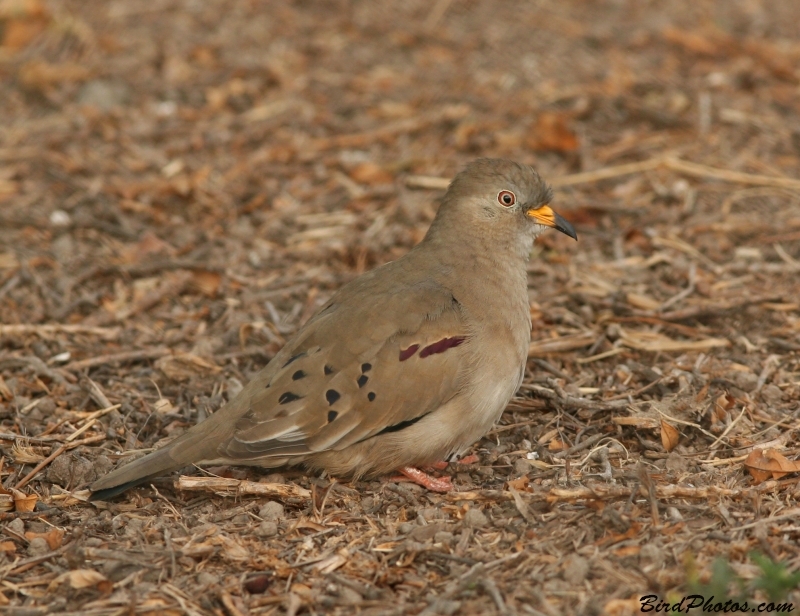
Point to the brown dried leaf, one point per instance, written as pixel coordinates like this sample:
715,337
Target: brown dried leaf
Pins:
763,464
551,132
520,483
8,546
725,402
54,538
206,282
231,550
21,21
370,173
80,578
669,436
24,502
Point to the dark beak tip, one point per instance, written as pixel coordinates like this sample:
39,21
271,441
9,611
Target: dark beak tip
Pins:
563,225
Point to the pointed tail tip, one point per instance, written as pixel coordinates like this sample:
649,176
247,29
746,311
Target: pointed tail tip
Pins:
104,494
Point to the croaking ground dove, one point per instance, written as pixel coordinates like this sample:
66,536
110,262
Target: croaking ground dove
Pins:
406,365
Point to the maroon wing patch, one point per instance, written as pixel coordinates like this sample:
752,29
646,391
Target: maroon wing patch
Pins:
432,349
406,353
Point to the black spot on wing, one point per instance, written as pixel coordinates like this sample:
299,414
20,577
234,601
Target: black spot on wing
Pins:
366,367
371,396
332,396
298,375
328,369
362,380
332,415
287,397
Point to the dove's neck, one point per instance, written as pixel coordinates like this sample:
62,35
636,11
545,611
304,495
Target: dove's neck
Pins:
485,267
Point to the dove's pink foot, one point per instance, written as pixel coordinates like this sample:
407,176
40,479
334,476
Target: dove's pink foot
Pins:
442,484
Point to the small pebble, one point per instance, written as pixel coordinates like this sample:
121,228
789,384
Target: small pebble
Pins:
443,537
267,528
746,381
429,513
272,510
17,526
576,568
38,547
204,578
771,394
475,518
651,554
348,596
521,466
405,528
676,463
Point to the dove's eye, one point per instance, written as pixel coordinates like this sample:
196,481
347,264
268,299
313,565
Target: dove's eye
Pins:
506,198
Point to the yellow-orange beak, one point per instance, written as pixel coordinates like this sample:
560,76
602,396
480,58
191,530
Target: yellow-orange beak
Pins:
546,216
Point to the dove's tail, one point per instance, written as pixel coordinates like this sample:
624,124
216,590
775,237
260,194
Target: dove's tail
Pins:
133,474
198,444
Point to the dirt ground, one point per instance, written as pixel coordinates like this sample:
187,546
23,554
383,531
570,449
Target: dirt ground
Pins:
182,184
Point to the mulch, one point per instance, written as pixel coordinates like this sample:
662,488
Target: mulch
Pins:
183,184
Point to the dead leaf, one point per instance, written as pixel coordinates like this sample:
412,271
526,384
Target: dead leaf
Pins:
231,550
669,436
764,464
616,538
370,173
24,502
519,484
206,282
551,132
8,546
54,538
629,550
80,578
21,21
333,562
724,402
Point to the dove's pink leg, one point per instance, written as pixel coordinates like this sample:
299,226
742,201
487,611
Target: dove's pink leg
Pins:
442,484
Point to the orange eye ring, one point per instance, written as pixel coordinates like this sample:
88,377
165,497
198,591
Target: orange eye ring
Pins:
506,198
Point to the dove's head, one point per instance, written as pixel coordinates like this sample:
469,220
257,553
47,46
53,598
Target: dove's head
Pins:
499,200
